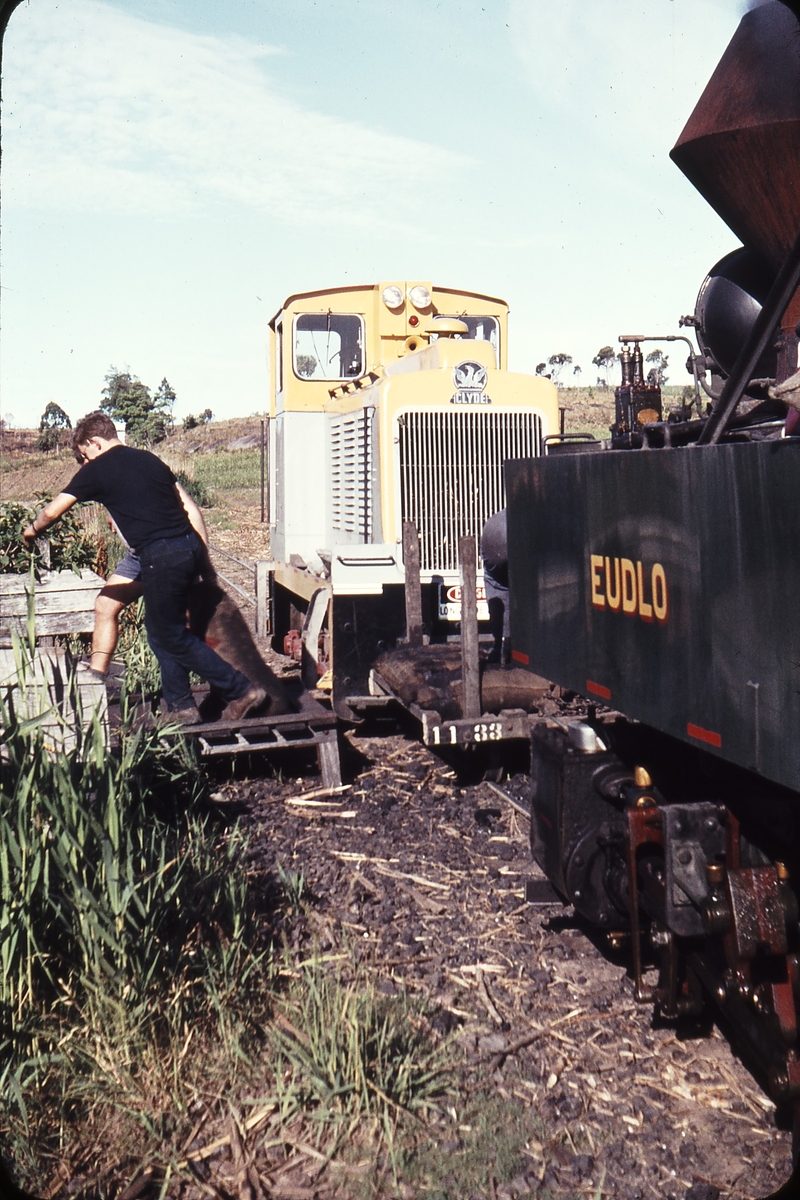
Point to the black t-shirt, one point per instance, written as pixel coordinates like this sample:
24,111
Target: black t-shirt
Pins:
138,490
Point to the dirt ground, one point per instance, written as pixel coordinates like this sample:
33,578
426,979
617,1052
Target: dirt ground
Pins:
423,874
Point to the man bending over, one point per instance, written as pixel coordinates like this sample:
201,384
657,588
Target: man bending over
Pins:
124,586
140,492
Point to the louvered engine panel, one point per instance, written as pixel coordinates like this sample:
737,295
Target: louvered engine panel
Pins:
351,475
451,473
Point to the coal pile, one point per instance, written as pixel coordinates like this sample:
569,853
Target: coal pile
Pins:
422,875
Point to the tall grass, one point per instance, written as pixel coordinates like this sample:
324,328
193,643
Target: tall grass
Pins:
106,875
139,996
124,917
142,672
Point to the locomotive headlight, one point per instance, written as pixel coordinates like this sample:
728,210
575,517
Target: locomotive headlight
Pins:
419,296
391,296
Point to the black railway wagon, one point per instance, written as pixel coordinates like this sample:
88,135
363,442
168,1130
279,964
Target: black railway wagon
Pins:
658,575
666,584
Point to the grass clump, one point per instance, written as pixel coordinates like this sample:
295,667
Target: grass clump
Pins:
352,1052
351,1059
127,945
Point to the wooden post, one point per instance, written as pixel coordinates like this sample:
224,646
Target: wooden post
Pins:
470,667
414,626
263,441
262,598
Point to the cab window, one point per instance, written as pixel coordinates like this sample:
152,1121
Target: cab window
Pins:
328,346
481,329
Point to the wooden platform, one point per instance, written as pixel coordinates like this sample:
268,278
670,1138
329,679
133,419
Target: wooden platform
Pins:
64,603
314,727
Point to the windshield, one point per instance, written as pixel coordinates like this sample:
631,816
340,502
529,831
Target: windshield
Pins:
481,329
328,346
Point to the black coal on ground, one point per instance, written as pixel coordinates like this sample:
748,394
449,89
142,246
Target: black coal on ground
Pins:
420,875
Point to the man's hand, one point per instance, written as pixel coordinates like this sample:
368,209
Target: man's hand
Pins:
51,512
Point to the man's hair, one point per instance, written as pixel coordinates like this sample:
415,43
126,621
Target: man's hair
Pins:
95,424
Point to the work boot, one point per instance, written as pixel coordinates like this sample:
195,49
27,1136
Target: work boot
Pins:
183,716
237,710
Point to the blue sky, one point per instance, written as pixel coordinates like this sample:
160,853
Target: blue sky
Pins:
172,169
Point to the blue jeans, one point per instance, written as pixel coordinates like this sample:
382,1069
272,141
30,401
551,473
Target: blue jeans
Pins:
169,568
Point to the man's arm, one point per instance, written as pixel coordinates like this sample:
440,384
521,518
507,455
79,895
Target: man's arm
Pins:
193,512
198,524
50,513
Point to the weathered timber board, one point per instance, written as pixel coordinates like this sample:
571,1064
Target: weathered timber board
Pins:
50,581
64,603
47,625
47,686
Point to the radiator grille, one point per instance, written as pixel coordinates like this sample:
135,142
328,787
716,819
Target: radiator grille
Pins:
451,473
351,474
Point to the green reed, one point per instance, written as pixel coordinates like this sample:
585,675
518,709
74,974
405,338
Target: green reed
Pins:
107,880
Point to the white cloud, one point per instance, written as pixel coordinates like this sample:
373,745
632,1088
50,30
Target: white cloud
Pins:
105,112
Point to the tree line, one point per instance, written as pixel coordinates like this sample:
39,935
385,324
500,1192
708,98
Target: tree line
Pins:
146,416
605,360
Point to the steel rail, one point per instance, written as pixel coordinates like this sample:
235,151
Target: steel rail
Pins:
218,550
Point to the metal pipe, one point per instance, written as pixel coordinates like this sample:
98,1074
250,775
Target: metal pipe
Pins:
764,329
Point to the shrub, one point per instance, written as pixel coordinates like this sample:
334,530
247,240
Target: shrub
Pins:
71,545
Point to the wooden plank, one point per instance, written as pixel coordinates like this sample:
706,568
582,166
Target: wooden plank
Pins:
470,667
301,583
49,602
328,759
47,625
64,603
411,558
44,684
51,581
